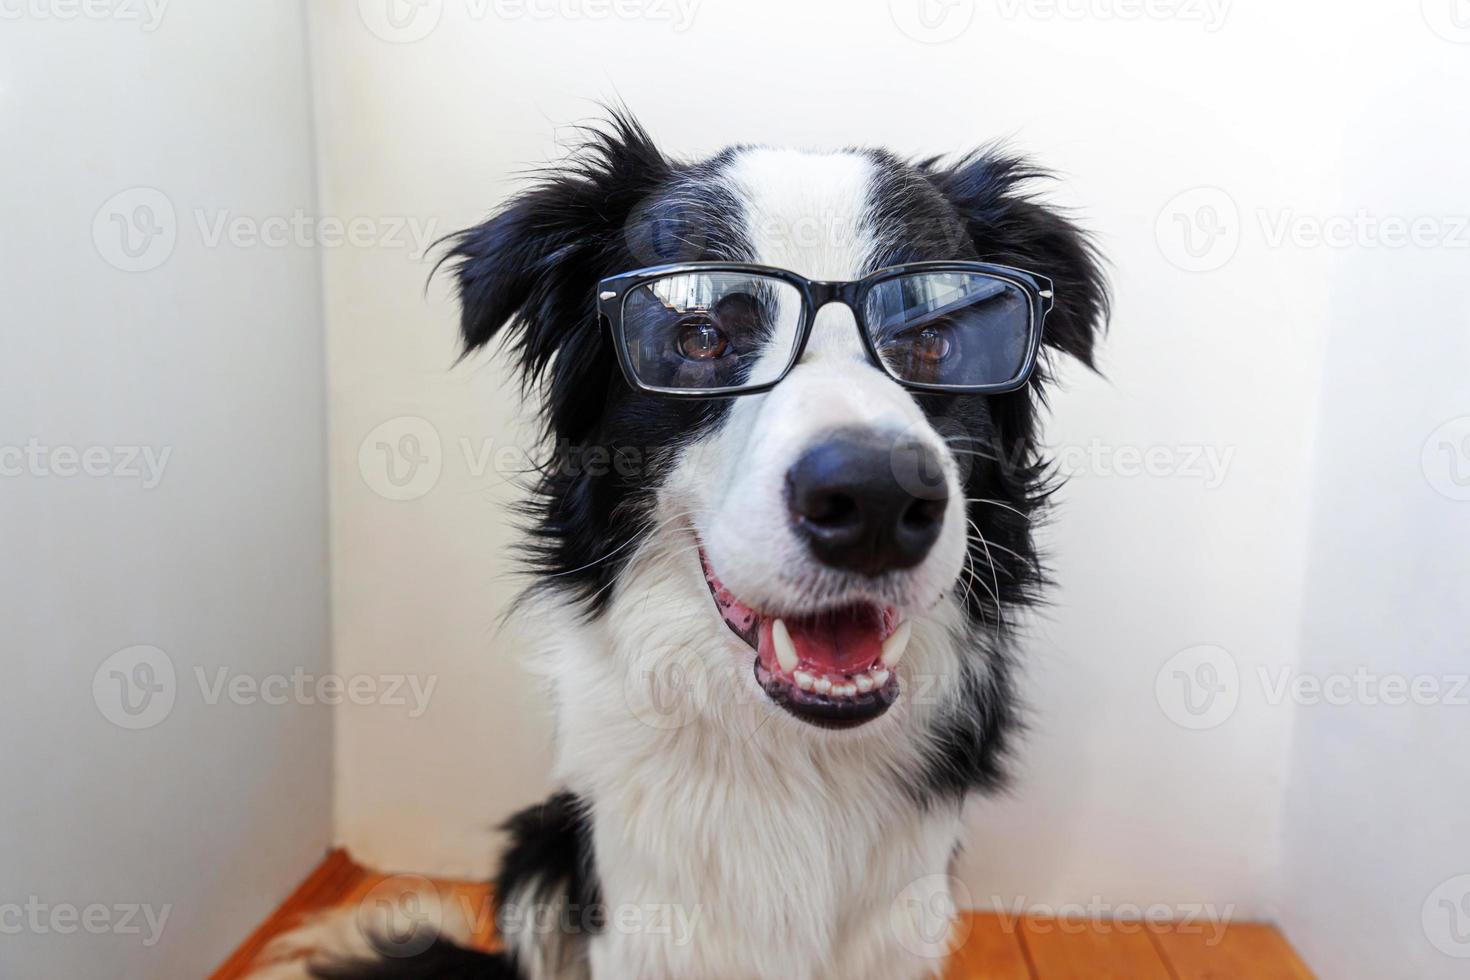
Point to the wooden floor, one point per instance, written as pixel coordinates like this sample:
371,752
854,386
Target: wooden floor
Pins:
994,947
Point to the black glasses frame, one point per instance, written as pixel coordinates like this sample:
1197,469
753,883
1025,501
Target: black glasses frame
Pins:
612,294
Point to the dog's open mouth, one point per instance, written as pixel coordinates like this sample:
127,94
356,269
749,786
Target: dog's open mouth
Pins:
833,668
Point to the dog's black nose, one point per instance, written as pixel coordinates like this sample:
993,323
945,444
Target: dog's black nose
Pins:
867,502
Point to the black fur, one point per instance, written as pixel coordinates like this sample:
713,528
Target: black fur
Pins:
441,961
551,845
533,270
981,208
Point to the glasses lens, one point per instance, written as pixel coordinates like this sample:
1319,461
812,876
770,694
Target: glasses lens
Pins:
964,329
697,331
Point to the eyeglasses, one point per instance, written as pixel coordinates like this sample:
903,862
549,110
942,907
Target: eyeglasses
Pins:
718,329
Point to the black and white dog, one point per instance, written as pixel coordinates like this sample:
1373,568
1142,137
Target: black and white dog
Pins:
775,624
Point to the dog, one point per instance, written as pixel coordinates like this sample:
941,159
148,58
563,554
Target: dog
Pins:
792,403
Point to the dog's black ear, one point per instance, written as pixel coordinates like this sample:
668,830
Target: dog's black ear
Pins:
1007,225
533,267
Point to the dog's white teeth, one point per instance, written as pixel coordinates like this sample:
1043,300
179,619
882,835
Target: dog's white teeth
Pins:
785,649
880,677
895,645
804,680
864,683
822,685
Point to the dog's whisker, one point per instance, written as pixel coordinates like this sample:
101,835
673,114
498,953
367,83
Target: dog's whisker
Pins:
641,535
995,596
999,503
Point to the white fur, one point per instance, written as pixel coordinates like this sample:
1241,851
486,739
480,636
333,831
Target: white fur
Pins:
798,852
344,935
807,213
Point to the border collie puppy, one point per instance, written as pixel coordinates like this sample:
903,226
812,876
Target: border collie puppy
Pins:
793,399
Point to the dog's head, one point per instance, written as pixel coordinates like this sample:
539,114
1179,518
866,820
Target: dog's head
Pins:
833,518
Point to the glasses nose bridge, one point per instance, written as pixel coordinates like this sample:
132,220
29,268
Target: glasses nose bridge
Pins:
822,294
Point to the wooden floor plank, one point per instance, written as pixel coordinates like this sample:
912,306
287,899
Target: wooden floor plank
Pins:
1078,949
1243,951
989,948
473,903
325,887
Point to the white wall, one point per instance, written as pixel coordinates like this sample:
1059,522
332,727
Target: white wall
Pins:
1135,787
206,813
1376,853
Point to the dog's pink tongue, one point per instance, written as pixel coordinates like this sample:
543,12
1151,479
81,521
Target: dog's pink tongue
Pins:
844,641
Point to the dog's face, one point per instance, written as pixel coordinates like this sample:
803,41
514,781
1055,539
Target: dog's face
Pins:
827,524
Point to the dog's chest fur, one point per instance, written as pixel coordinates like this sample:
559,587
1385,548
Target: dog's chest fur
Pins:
731,841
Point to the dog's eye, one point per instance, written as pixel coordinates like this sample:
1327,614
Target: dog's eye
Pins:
932,344
700,340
